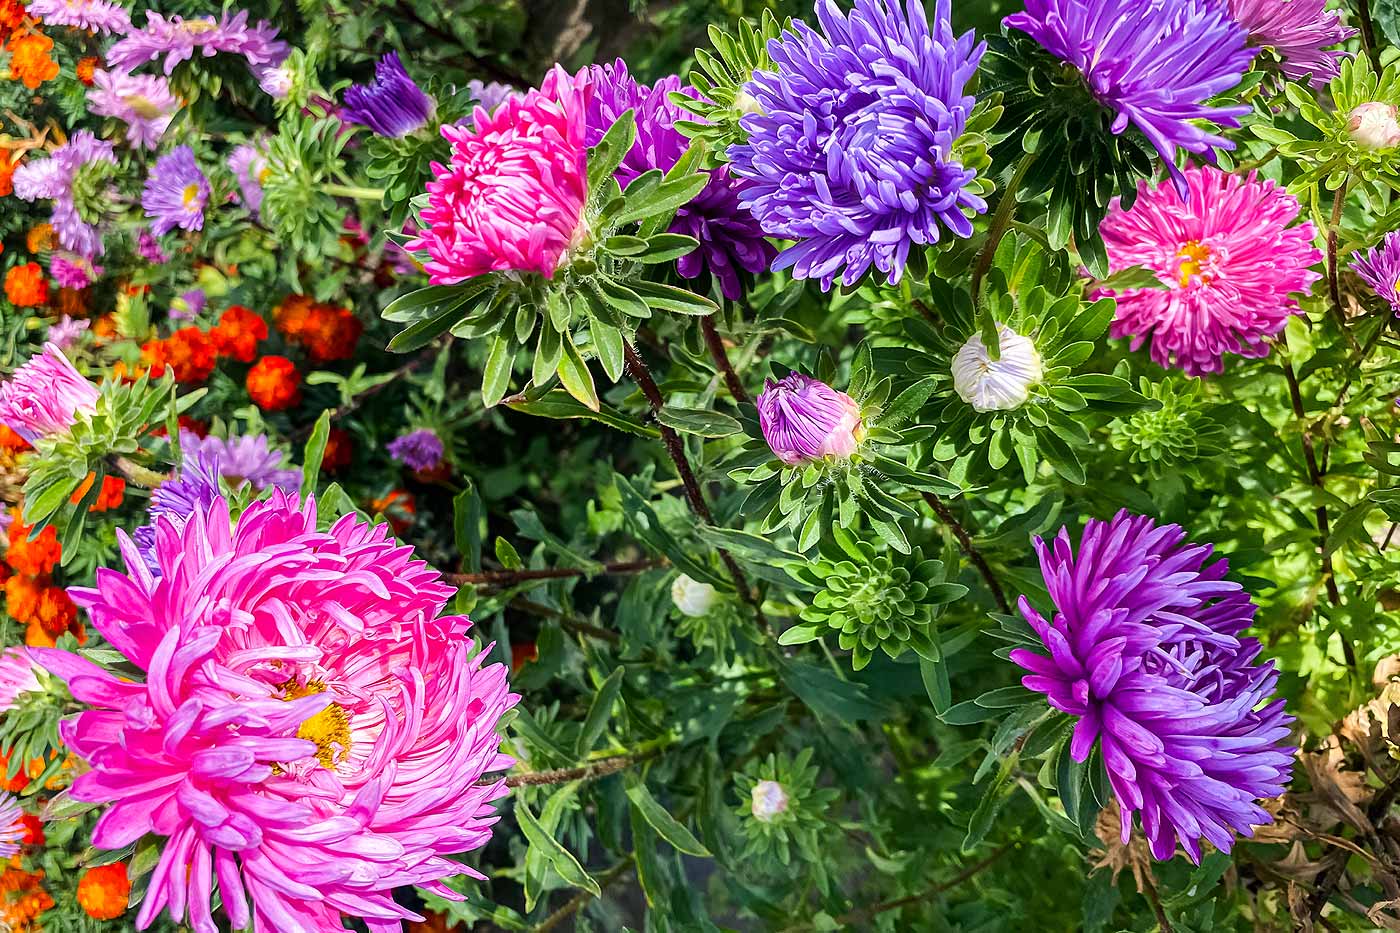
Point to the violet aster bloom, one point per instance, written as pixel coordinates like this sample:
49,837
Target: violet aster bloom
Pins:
64,333
176,500
246,458
188,305
1154,63
45,396
731,240
99,16
143,102
851,151
1145,651
1299,32
178,39
418,450
391,105
149,248
489,96
176,192
249,167
70,270
804,419
12,828
78,163
1380,269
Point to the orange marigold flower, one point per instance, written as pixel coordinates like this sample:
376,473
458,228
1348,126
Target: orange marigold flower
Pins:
33,830
22,900
22,597
8,164
26,285
238,333
11,441
104,328
29,59
189,352
274,383
113,489
187,423
87,66
338,450
56,612
11,16
331,333
291,315
41,238
522,653
103,891
36,557
399,507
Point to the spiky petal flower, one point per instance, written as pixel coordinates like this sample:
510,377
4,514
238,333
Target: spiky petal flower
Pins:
1300,32
731,240
175,193
249,167
310,731
65,331
489,96
512,195
1380,269
1144,650
16,677
12,828
144,103
805,419
1154,63
176,500
55,179
392,105
45,396
851,151
418,450
70,270
178,39
99,16
1231,264
245,458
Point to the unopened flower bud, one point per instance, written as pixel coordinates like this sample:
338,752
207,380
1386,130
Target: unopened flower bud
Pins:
804,419
769,800
1374,125
692,597
746,103
1001,384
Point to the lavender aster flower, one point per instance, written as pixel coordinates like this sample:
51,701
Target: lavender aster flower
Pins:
188,305
851,151
70,270
804,419
64,333
194,489
99,16
1299,32
489,96
143,102
77,168
249,168
418,450
149,248
731,240
12,830
1380,268
247,458
1144,650
178,39
391,105
176,192
1154,63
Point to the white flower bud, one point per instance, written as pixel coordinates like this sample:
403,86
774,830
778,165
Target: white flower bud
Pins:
746,103
996,385
769,800
1374,125
692,597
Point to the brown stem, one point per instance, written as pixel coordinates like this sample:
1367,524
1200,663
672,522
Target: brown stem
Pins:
1334,287
1150,892
968,548
721,358
567,621
510,577
577,902
1368,33
590,772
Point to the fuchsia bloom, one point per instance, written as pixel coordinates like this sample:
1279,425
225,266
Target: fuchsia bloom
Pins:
1231,263
512,197
16,677
70,270
310,731
45,396
1299,32
144,103
805,419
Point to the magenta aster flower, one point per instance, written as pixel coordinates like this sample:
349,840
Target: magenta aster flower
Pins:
1299,32
149,248
65,333
178,39
805,419
1144,651
1231,263
99,16
81,162
17,676
310,732
851,152
70,270
12,828
418,450
249,167
1380,269
731,240
45,396
175,193
512,196
391,105
144,103
1154,63
248,458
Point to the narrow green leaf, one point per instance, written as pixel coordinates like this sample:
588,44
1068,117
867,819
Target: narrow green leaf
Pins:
599,712
559,858
315,452
665,825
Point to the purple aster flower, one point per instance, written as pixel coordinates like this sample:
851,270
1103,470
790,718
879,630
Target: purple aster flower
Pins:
275,80
851,151
731,240
418,450
187,305
1380,268
143,102
176,192
1144,650
100,16
12,828
249,167
149,248
248,458
391,105
804,419
489,96
195,488
70,270
1154,63
178,39
1299,32
64,333
75,164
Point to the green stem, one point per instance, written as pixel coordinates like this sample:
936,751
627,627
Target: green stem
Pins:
353,191
1001,220
136,473
1334,288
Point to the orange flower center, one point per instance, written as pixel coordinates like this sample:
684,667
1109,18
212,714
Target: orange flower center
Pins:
1192,254
197,27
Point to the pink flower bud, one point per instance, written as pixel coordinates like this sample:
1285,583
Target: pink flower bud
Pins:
1374,125
804,419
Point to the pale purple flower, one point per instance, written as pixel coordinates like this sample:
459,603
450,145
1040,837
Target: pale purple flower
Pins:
1300,33
194,489
176,192
246,458
249,168
17,676
489,96
144,103
70,270
149,248
188,305
12,828
45,396
66,331
418,450
1379,267
804,419
53,179
179,39
275,80
392,104
99,16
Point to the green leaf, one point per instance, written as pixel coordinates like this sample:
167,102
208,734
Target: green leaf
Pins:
575,377
607,343
802,633
604,158
669,298
559,404
699,421
507,555
558,857
666,247
599,712
665,825
659,199
466,524
315,452
424,332
495,378
935,677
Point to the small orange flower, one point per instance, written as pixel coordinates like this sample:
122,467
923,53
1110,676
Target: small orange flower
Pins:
190,352
113,489
8,164
274,383
187,423
103,891
399,507
339,448
41,238
36,557
56,613
12,14
238,333
29,59
87,66
104,328
11,441
331,333
22,597
291,315
33,830
26,285
22,900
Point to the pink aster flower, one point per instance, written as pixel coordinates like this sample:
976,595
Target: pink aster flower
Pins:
45,396
1299,32
65,333
143,102
1232,267
178,39
310,732
512,197
804,419
249,168
70,270
84,161
16,677
99,16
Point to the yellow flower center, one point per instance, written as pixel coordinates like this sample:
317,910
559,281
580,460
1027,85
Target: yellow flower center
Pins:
263,175
190,196
329,729
197,27
1192,254
142,106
